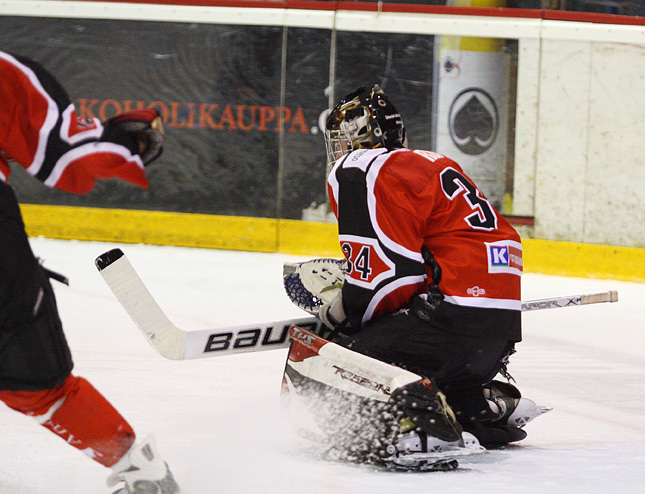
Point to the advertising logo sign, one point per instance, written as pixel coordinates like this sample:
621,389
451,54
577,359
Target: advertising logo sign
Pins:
473,121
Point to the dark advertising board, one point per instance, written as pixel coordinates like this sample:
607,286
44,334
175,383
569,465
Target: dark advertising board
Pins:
241,107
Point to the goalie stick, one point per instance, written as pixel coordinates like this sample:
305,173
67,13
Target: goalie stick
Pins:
558,302
175,343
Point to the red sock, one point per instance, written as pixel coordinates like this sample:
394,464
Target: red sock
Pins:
84,418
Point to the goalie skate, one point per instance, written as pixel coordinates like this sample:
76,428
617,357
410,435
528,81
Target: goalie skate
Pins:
415,452
510,406
419,452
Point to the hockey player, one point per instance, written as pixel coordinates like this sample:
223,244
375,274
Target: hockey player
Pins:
431,281
40,130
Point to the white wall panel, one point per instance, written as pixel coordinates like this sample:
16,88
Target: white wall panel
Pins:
614,206
322,19
562,140
455,25
592,31
526,127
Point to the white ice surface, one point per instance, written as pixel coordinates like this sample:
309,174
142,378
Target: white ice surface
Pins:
217,420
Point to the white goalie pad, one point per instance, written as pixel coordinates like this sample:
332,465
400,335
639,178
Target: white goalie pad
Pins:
340,398
345,370
313,284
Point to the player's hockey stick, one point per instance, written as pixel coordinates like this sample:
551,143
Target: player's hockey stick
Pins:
177,344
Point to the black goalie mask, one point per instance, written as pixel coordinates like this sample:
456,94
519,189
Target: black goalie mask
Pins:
364,119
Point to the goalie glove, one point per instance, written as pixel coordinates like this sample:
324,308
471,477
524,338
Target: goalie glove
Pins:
316,287
333,314
141,131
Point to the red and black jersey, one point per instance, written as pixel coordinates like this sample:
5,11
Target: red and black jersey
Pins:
391,203
41,131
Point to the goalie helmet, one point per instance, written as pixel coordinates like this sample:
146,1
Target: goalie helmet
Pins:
364,119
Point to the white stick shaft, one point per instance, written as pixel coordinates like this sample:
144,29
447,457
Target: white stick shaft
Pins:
177,344
245,338
559,302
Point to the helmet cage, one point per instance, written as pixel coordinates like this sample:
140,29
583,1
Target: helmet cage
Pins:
365,119
338,143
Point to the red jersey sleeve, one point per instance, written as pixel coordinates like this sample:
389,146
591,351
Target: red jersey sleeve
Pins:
40,130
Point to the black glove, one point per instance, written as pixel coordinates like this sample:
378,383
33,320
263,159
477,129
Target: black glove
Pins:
141,131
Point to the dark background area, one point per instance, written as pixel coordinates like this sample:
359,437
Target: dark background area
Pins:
213,84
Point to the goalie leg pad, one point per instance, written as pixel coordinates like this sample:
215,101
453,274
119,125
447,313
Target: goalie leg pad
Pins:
423,404
359,404
356,429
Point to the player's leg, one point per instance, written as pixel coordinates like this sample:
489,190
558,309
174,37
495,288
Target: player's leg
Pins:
474,364
36,365
35,359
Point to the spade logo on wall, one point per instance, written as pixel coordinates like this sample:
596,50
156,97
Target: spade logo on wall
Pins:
473,121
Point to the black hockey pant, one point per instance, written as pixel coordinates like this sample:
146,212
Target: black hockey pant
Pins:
34,354
458,364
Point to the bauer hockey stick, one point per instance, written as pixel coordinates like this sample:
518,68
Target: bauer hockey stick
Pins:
175,343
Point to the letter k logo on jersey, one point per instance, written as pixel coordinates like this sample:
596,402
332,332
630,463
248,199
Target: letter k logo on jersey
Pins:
499,256
504,256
